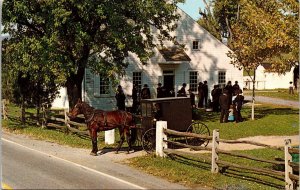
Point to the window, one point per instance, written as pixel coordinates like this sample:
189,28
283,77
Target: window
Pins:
104,85
196,45
193,80
222,78
137,79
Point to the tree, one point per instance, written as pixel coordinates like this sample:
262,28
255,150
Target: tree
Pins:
259,31
34,81
209,22
73,31
265,32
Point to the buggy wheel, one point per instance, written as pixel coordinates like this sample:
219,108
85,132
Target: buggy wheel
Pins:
149,140
200,129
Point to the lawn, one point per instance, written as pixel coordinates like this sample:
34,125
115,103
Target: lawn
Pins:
195,173
269,120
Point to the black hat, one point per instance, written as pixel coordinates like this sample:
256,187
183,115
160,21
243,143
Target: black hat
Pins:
145,85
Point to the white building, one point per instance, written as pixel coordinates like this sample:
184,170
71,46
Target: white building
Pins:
266,79
203,58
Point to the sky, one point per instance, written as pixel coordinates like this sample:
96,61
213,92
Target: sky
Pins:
191,7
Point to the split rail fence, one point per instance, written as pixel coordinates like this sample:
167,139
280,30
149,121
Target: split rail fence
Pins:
291,180
62,121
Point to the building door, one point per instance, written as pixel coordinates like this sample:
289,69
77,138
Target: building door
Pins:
169,81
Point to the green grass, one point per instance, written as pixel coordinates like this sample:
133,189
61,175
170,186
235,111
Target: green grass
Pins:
269,120
196,173
63,137
277,93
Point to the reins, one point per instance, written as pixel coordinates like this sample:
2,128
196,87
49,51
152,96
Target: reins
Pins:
90,119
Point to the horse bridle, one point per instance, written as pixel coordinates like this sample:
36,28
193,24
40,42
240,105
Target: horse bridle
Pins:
90,119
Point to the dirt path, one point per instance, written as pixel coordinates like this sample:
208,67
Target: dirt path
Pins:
277,101
268,140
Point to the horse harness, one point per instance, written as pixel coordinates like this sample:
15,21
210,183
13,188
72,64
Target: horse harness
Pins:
106,124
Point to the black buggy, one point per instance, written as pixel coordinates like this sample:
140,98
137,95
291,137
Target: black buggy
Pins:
177,112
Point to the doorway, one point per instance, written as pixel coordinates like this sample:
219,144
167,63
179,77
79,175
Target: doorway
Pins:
169,77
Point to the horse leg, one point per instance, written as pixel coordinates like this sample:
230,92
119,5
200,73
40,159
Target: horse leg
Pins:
93,134
122,138
128,138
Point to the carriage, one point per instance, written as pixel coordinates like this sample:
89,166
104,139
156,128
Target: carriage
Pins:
178,114
176,111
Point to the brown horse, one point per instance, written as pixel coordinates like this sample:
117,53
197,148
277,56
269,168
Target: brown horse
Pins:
100,120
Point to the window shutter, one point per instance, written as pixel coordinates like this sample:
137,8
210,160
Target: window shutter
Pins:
96,85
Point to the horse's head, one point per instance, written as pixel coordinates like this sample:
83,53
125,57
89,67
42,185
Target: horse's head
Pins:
77,109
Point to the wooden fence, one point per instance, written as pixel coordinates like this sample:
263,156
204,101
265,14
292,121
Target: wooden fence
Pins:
289,177
60,120
80,128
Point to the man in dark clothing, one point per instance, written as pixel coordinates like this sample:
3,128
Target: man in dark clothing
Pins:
192,97
229,89
235,88
238,102
145,93
182,92
159,91
215,93
205,92
120,97
224,104
134,98
200,95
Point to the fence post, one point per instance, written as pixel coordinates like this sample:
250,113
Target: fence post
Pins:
4,108
214,154
288,168
160,137
67,119
44,120
109,137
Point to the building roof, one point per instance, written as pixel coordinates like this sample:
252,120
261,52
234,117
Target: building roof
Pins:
174,54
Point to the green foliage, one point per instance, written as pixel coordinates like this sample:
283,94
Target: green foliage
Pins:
265,32
65,34
257,31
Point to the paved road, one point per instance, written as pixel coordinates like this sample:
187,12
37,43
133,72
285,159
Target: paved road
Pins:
25,168
108,163
277,101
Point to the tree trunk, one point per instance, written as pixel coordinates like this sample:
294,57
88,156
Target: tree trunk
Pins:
253,96
23,116
38,111
74,87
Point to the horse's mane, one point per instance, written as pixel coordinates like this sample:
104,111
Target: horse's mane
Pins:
87,107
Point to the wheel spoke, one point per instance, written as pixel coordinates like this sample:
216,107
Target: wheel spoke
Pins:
148,141
198,128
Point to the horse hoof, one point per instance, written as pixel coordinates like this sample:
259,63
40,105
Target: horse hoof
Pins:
93,154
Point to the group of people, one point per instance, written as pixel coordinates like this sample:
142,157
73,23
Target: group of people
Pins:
228,101
231,101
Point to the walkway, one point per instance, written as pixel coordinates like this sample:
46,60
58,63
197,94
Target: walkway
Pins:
277,101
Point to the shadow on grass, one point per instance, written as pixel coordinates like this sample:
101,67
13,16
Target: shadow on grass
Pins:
244,175
263,112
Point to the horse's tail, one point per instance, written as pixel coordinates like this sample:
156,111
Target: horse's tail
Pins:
133,135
